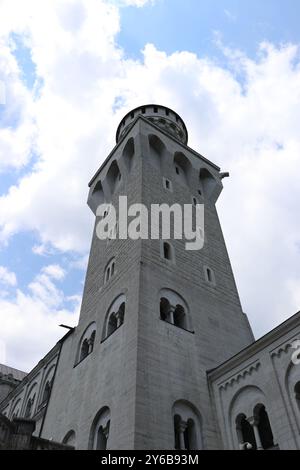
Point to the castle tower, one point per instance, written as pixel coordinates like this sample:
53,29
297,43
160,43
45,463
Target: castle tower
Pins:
155,317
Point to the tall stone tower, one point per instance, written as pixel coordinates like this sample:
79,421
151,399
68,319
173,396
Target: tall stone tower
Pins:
155,317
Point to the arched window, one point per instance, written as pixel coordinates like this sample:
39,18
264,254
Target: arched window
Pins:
84,351
263,425
173,309
99,436
187,427
114,317
245,433
70,439
47,391
109,270
86,344
297,394
29,407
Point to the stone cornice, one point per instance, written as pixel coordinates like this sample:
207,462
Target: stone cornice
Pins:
241,375
246,354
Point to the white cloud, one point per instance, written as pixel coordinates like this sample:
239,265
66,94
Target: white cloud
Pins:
7,277
249,128
15,141
55,271
30,321
136,3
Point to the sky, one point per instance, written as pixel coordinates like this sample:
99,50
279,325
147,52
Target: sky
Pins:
70,70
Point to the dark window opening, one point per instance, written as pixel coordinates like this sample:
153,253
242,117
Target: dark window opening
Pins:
112,324
102,437
167,251
265,430
84,350
179,317
155,109
247,433
143,110
177,170
47,391
176,431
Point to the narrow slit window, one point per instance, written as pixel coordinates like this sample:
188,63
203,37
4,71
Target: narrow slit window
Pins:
167,251
167,184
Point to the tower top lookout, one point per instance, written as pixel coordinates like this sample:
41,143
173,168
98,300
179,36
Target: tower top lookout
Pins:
163,117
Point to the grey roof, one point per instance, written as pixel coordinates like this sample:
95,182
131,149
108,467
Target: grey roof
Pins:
17,374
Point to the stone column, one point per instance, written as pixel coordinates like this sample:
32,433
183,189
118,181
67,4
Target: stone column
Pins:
254,423
171,314
181,429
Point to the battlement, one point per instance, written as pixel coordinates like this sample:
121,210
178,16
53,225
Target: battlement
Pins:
163,117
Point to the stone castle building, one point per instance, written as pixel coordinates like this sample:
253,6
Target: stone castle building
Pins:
163,356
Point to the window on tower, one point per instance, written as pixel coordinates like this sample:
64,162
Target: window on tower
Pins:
168,252
109,270
99,436
209,276
47,391
167,185
173,310
114,318
86,344
187,427
29,407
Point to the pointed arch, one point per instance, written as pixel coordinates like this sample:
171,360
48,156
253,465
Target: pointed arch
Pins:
113,177
157,151
183,168
207,182
128,153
